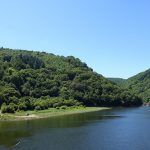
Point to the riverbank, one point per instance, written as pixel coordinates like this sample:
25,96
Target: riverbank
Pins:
52,112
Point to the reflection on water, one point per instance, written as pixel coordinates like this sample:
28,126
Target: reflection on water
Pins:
11,132
85,131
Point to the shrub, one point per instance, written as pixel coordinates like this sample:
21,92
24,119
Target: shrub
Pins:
63,107
11,108
43,104
56,105
22,106
3,108
37,108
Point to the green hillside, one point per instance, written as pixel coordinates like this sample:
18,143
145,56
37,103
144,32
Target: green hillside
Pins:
38,80
118,81
140,85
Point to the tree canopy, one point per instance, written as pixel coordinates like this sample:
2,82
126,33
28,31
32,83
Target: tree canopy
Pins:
39,80
139,85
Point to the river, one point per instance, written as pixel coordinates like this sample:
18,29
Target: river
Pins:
116,129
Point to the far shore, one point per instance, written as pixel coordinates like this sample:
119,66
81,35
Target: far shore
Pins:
52,112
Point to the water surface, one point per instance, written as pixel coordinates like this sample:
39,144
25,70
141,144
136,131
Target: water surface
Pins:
116,129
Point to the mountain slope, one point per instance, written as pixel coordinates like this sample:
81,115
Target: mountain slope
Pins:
140,85
118,81
38,80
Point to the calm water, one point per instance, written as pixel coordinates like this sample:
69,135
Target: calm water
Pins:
118,129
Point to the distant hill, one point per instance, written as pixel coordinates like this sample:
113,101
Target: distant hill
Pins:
118,81
39,80
140,85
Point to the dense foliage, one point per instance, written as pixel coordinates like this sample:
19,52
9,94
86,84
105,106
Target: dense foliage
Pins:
38,80
140,85
119,81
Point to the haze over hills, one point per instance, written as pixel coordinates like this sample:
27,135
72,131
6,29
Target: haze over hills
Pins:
38,80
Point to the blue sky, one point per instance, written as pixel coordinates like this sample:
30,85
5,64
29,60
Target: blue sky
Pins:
111,36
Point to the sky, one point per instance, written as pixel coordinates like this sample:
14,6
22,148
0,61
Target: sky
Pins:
111,36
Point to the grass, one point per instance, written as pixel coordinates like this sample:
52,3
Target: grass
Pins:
51,112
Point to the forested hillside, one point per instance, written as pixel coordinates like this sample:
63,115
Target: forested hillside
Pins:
118,81
140,85
38,80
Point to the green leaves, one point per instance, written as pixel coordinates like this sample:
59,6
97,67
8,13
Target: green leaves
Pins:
34,80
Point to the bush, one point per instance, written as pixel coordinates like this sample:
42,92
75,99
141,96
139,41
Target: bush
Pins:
37,108
56,105
11,108
72,102
22,106
3,108
43,104
63,107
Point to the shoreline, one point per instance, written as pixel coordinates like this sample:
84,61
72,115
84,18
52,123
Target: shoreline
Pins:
52,112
